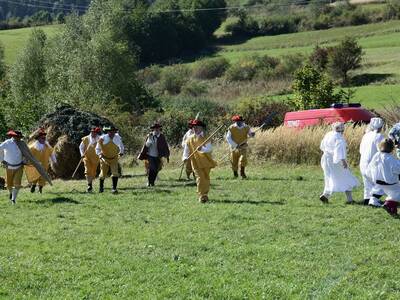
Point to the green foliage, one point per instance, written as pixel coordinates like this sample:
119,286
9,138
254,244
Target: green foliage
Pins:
3,67
27,83
210,68
279,25
392,10
345,57
313,89
194,88
244,26
319,57
256,109
150,74
173,79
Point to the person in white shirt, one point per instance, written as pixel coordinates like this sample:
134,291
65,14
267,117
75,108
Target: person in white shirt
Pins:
154,149
337,176
368,148
87,148
384,170
12,159
188,164
109,148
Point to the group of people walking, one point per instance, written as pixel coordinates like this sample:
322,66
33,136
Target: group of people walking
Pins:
380,169
104,147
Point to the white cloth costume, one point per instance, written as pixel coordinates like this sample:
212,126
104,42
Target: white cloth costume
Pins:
106,139
229,139
185,138
368,148
9,152
92,141
337,178
384,169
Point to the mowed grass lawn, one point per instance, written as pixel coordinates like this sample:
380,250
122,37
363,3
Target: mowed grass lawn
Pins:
15,40
266,237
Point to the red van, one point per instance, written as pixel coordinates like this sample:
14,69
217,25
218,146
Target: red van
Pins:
336,113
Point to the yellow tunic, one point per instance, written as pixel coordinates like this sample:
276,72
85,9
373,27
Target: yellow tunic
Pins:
43,157
202,163
239,135
239,155
110,153
91,159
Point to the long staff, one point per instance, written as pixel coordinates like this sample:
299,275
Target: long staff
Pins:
267,120
81,160
202,144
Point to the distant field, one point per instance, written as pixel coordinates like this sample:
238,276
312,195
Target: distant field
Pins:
14,40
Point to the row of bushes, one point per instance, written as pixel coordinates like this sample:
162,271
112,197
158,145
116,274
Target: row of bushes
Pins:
326,16
38,19
182,78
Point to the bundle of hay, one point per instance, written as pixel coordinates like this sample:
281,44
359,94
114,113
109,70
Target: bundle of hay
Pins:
65,128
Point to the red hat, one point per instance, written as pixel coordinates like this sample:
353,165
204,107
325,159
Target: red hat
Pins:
190,124
14,133
96,130
237,118
198,123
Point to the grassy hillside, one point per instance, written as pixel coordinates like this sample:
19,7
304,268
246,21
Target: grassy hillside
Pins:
267,237
14,40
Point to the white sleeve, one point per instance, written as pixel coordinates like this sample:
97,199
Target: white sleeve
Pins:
82,148
207,148
230,141
186,152
2,147
339,153
185,137
251,133
149,141
121,145
98,149
53,158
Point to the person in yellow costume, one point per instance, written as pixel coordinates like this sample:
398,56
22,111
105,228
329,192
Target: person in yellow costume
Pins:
201,160
237,136
109,148
91,161
44,153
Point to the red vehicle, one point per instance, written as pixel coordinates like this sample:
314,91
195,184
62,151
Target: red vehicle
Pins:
336,113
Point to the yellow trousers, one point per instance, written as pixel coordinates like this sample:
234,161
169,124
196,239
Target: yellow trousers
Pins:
238,158
14,177
106,165
202,181
90,168
188,167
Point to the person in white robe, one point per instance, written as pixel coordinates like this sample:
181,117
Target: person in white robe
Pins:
337,175
384,170
394,135
368,148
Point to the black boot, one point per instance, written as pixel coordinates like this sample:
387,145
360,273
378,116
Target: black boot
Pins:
235,174
366,201
242,173
89,188
40,189
33,188
101,186
114,185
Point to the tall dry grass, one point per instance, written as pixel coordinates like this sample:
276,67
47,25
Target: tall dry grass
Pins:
287,145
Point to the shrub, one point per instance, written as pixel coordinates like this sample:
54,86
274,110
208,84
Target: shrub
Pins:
244,26
319,58
289,64
244,70
255,110
392,10
313,89
279,25
194,89
210,68
173,78
150,74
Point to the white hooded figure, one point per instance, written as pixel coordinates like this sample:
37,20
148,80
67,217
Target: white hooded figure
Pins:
338,177
368,148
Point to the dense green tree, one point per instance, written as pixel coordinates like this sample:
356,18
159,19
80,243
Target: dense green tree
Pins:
345,57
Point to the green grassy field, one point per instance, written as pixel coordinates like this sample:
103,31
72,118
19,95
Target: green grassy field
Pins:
14,40
266,237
